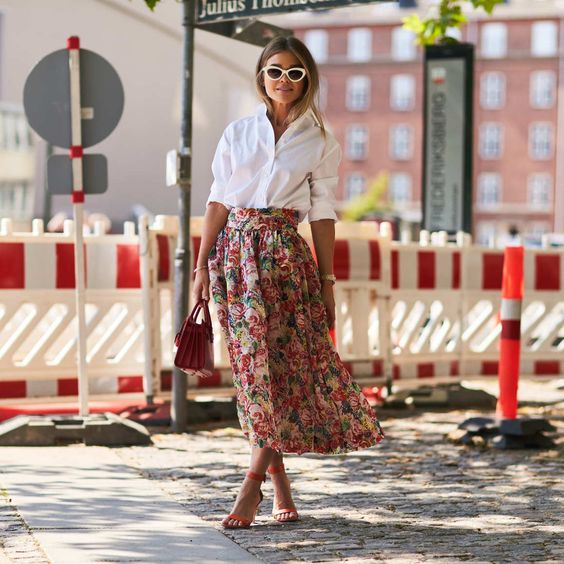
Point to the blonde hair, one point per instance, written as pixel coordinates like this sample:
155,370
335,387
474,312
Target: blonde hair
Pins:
311,87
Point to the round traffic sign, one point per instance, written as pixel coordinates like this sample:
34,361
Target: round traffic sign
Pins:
47,98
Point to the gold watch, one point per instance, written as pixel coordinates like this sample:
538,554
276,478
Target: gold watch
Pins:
331,277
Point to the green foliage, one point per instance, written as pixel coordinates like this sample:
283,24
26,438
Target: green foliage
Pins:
434,29
369,203
152,3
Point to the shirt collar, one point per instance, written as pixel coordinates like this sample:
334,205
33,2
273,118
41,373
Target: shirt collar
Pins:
307,115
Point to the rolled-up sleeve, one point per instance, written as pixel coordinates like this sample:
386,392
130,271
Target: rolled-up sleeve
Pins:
221,169
323,182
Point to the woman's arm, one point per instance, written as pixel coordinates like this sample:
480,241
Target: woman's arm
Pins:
214,221
323,233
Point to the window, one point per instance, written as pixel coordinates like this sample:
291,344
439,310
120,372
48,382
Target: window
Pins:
355,185
10,132
489,189
538,229
492,90
539,190
358,93
359,46
542,89
323,92
403,45
357,142
490,140
400,188
544,39
401,147
540,140
485,234
22,134
402,92
317,42
494,40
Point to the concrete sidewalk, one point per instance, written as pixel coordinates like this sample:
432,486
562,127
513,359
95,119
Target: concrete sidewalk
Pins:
83,504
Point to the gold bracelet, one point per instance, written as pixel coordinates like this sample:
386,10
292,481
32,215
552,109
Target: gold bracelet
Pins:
205,267
330,277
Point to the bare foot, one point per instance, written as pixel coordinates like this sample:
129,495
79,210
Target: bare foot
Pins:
282,497
245,504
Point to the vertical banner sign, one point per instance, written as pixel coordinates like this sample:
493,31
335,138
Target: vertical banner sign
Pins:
447,138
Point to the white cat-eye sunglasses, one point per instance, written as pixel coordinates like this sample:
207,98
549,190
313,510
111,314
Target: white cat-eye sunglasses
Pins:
295,74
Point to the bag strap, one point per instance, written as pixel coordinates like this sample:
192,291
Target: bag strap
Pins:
207,319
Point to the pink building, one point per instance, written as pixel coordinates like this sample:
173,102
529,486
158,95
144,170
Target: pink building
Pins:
372,97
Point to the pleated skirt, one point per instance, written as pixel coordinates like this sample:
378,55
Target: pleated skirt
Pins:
294,394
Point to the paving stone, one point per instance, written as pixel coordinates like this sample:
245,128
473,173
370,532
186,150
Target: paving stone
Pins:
414,498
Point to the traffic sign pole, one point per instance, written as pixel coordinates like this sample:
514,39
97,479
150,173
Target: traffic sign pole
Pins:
75,153
179,413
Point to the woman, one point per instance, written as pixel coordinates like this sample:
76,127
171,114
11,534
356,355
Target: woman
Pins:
275,305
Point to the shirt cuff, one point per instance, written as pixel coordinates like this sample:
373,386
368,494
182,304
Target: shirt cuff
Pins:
217,201
322,210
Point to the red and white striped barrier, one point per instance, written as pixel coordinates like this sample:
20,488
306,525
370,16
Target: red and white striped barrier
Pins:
415,268
99,387
37,314
544,270
408,312
50,266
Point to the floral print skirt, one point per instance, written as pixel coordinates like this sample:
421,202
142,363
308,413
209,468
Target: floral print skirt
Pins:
294,394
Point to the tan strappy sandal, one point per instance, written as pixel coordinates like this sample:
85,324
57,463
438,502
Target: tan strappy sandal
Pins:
278,512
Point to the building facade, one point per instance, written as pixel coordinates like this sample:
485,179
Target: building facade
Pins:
149,65
372,95
17,165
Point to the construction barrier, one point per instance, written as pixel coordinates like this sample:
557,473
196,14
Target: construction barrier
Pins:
510,338
38,323
411,312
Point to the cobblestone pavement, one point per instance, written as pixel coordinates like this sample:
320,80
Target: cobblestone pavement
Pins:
17,544
414,498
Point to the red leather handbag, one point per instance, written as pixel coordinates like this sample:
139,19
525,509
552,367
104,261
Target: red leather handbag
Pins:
194,342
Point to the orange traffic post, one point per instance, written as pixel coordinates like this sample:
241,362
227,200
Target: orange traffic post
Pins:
510,341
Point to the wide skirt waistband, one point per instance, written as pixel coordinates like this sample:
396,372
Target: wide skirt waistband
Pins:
262,218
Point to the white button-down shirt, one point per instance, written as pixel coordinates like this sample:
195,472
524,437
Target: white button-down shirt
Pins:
299,171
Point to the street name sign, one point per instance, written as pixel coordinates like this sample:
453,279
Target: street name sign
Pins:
216,10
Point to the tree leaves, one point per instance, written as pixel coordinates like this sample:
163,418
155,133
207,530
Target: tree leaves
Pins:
449,16
371,202
152,3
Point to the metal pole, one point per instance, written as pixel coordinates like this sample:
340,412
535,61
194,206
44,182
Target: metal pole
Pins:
73,45
182,256
48,199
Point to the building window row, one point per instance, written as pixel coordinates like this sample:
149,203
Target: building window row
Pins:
400,142
541,140
15,133
493,42
399,189
15,199
539,190
359,90
544,39
359,44
542,89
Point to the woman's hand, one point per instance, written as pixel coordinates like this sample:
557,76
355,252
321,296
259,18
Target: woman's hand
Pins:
201,288
328,301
